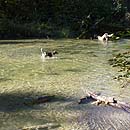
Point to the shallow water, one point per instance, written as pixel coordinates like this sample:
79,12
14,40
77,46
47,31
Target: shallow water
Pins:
81,65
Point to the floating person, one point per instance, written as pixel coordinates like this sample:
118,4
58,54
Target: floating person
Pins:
47,54
43,55
51,54
104,37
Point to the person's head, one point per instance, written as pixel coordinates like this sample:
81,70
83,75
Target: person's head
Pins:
55,52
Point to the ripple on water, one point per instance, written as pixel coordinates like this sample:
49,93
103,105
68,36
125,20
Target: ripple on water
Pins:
105,118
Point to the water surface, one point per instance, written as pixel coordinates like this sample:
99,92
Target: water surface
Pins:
81,65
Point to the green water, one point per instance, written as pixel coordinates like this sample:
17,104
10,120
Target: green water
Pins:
81,65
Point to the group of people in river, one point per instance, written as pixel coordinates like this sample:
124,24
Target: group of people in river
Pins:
48,54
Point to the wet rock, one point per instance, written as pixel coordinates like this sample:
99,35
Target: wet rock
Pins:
39,100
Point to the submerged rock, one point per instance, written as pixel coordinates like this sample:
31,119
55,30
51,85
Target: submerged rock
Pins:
39,100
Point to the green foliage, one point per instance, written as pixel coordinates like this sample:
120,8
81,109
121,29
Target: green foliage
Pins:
122,61
59,18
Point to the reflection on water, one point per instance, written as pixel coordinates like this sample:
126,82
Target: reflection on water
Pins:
81,65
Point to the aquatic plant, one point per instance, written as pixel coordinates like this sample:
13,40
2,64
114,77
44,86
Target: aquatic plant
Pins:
122,61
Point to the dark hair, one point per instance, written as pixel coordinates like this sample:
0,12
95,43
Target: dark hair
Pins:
55,52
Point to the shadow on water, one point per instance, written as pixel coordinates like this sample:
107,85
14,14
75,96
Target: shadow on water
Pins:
22,41
73,70
19,102
3,79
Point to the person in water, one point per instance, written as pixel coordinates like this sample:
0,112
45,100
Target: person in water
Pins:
104,37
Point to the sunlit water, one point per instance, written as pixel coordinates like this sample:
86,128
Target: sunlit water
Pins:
80,66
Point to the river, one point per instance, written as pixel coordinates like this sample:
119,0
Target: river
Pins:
79,66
